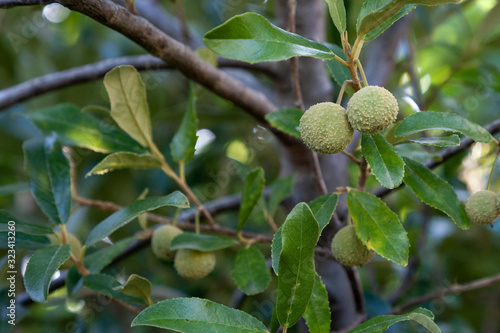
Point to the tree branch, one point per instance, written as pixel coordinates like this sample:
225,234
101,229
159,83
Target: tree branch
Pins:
454,289
5,4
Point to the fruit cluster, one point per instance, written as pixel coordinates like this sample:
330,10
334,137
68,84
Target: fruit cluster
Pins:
328,128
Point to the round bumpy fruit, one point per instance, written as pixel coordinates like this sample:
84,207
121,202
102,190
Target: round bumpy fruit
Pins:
372,109
194,265
74,243
482,207
324,128
348,249
161,239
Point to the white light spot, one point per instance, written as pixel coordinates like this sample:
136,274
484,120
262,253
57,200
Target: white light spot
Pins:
205,137
55,13
412,103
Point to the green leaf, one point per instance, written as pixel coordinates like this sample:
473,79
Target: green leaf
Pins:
48,173
378,15
317,315
338,71
386,164
251,38
76,128
95,262
428,120
143,219
279,191
189,315
444,141
296,264
435,192
127,214
129,105
183,142
14,188
337,13
136,286
124,160
323,208
250,271
254,184
201,242
24,241
378,227
276,247
21,226
286,120
107,286
274,324
382,323
40,269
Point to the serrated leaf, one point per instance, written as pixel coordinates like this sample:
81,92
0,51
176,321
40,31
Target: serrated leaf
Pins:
250,271
337,70
296,264
317,315
129,105
201,242
122,160
107,285
136,286
323,208
279,191
386,164
76,128
183,142
382,323
435,191
286,120
378,227
337,13
189,315
251,38
276,247
254,184
443,141
40,269
127,214
428,120
95,262
48,173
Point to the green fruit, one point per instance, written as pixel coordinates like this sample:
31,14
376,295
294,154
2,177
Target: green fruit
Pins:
372,109
161,239
324,128
194,265
482,207
348,249
74,243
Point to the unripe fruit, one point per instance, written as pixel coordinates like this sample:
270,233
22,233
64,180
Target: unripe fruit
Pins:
482,207
161,239
194,265
74,243
372,109
348,249
324,128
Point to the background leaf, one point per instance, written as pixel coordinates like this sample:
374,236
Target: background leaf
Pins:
279,191
197,315
435,192
386,164
107,285
254,184
296,264
76,128
129,105
137,286
317,315
337,13
124,160
378,227
323,208
127,214
250,271
183,142
337,70
286,120
250,37
22,226
40,269
48,173
201,242
423,121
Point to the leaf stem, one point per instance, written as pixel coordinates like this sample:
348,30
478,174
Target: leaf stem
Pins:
363,76
197,222
182,171
342,91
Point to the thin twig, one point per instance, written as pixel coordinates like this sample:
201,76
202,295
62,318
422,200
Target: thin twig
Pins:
351,157
294,62
357,289
186,36
320,180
